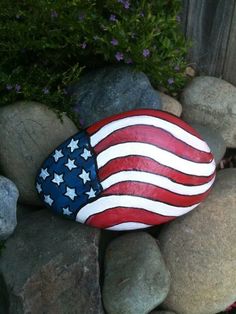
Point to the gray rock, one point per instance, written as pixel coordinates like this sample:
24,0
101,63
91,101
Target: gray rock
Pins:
170,104
112,90
214,140
162,312
210,101
8,199
29,131
200,252
136,279
50,265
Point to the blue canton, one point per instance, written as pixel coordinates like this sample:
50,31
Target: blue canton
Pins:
68,178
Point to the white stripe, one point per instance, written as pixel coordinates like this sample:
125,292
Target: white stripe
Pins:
157,180
175,130
108,202
128,226
160,155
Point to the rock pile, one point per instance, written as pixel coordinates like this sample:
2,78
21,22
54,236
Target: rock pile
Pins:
50,265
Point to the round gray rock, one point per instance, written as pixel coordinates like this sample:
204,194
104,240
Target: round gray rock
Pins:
136,279
50,265
214,140
8,199
211,102
200,252
170,104
107,91
29,132
162,312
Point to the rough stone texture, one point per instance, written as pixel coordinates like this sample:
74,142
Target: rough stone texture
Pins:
210,101
214,140
50,265
29,131
200,252
136,279
107,91
170,104
8,199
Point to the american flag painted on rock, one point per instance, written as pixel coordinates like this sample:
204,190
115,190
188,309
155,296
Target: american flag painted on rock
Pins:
130,171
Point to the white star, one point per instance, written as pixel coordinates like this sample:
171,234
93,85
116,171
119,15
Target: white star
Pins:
48,199
39,187
86,154
70,193
58,154
66,211
70,164
84,176
58,178
73,145
44,173
91,193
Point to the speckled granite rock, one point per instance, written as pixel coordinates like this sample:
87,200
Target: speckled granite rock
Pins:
107,91
50,265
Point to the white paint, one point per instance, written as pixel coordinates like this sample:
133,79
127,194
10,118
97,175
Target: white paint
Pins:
175,130
128,226
157,180
160,155
112,201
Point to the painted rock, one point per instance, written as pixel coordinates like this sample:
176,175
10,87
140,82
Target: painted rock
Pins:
130,171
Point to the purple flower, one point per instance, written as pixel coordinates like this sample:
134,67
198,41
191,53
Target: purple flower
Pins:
112,18
119,56
129,61
114,42
17,16
84,45
45,90
177,68
54,14
9,87
170,81
146,53
81,16
126,4
17,88
142,13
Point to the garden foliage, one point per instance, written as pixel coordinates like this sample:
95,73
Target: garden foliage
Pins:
45,44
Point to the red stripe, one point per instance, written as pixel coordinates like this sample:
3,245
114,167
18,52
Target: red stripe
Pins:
155,193
149,165
149,112
118,215
154,136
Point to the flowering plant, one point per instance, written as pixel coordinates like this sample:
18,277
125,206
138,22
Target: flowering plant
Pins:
45,44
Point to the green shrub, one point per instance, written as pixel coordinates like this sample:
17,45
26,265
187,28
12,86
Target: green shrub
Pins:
45,44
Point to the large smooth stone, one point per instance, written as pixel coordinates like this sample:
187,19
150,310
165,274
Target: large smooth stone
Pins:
210,101
8,199
214,140
50,266
162,312
200,252
29,131
136,279
107,91
129,171
171,105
